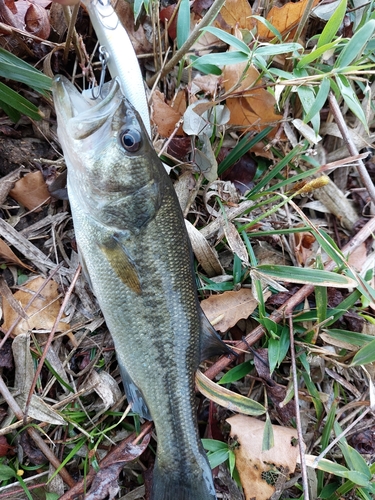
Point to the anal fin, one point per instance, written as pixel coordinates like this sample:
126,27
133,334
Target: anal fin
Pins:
133,394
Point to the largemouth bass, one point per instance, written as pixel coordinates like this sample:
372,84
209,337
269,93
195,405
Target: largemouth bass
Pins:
136,254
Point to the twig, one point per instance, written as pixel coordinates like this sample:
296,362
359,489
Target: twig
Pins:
70,19
305,483
287,309
340,121
194,35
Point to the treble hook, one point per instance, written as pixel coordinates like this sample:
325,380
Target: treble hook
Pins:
96,92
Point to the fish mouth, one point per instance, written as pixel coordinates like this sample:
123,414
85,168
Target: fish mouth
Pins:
80,113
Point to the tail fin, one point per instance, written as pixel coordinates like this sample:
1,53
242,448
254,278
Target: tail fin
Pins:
186,485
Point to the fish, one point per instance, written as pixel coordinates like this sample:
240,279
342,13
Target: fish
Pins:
136,255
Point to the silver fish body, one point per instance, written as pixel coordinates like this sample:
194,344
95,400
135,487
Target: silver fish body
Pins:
134,248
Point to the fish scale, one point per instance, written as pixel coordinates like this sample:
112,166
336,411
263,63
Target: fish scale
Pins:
136,253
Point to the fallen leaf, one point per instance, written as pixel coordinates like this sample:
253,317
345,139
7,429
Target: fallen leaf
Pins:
7,255
163,116
249,107
230,307
105,386
357,257
135,32
37,22
31,191
259,469
238,13
42,312
283,18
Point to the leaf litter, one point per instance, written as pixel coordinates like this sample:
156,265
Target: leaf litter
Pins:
231,229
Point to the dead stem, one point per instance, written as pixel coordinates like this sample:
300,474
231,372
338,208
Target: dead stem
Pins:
340,121
305,483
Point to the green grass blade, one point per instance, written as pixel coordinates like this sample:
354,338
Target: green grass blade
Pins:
183,23
315,54
243,146
356,45
14,68
18,102
222,59
229,39
365,355
306,276
333,25
319,100
351,98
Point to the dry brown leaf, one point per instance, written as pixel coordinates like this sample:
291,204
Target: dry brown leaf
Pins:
31,191
254,465
238,13
230,307
206,83
43,311
136,34
179,102
283,18
163,116
37,22
357,258
7,255
254,108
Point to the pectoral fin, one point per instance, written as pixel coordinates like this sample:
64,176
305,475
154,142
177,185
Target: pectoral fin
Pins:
133,394
211,343
121,263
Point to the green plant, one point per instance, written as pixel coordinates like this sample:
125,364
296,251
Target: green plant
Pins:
14,68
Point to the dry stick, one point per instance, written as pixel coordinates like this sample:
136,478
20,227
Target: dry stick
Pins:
193,37
287,308
50,338
35,436
70,19
366,179
305,483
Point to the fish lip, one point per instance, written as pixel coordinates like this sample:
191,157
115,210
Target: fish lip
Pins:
82,115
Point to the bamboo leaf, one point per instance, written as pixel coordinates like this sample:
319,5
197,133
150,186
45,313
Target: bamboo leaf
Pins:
333,25
183,23
229,39
356,44
227,398
306,276
351,98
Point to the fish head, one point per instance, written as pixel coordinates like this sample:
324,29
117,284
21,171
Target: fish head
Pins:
112,167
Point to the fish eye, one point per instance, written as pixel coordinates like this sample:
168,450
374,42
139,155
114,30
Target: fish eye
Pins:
131,139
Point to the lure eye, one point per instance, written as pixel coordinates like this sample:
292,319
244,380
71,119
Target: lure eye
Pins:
131,139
